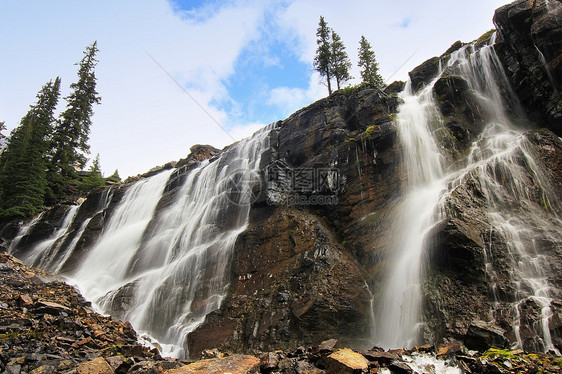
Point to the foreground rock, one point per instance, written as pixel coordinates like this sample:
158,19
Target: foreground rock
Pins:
46,326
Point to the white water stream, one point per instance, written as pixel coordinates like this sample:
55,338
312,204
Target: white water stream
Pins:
501,160
164,270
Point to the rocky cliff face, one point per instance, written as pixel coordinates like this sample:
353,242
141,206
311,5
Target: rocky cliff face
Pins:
530,43
316,249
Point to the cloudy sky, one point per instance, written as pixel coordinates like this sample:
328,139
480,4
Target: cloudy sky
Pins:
174,73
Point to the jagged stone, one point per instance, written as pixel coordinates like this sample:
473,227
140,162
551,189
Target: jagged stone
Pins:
96,366
235,364
327,345
398,367
381,357
449,350
269,360
527,30
483,335
424,73
346,361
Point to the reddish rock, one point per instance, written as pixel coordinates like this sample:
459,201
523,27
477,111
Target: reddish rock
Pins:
235,364
346,361
96,366
25,300
449,350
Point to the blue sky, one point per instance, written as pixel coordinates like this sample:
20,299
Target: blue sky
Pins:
170,70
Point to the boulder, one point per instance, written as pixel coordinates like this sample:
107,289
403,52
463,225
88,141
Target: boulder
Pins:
398,367
384,358
235,364
484,335
345,361
96,366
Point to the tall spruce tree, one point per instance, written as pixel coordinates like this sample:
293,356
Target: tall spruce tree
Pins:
339,60
70,139
368,64
23,164
323,60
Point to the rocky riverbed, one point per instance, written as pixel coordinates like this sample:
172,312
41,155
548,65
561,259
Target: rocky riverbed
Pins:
46,326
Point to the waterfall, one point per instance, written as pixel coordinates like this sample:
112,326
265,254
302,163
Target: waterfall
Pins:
181,271
24,231
68,250
163,265
398,310
44,253
502,161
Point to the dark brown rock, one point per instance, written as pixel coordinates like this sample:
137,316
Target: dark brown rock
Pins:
528,30
483,335
424,73
400,368
381,357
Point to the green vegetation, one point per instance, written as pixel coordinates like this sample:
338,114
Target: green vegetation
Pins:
322,61
369,132
40,162
94,179
331,59
516,359
340,60
368,64
70,137
23,164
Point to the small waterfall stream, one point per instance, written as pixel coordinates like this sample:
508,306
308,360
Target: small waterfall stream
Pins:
44,253
398,310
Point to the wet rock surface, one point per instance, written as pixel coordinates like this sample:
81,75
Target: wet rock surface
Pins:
530,48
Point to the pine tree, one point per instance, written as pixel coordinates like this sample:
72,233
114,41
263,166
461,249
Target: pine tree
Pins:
339,60
368,64
70,139
323,60
23,164
94,179
114,178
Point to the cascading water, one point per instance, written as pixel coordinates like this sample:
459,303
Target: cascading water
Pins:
24,230
68,250
503,164
165,269
397,313
44,253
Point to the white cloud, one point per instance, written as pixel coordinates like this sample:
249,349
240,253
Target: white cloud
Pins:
145,118
290,99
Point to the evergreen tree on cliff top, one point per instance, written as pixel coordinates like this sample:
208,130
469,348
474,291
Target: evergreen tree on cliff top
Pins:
323,59
368,64
23,164
70,139
339,60
94,179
